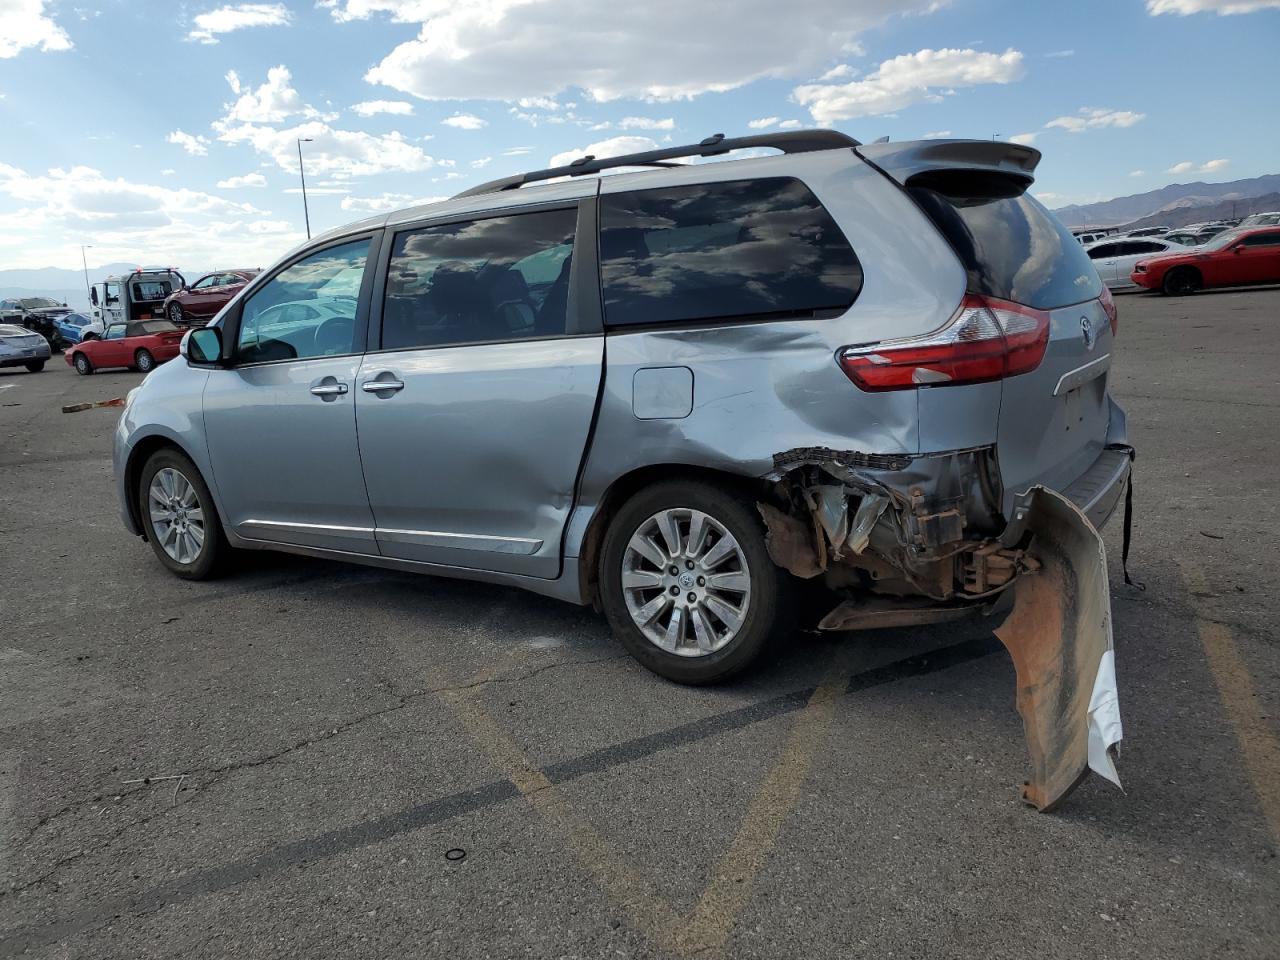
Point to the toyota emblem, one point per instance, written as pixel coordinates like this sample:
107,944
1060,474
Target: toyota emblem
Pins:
1086,330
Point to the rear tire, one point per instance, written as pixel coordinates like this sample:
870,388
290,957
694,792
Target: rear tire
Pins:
179,517
144,361
35,366
1180,282
729,595
84,366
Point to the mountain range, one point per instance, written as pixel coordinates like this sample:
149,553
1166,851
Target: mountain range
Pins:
1177,200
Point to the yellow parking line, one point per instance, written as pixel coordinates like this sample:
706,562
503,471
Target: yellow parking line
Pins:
718,908
1258,745
649,914
708,928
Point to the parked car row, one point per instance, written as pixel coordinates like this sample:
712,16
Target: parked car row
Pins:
19,347
39,314
1240,257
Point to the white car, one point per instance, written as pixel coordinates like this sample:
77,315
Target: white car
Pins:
1114,258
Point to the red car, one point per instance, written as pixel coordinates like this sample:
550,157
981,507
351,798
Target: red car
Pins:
1231,259
138,345
200,301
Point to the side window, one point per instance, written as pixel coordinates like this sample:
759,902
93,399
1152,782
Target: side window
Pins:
114,332
306,310
1146,247
499,279
722,251
112,291
204,282
1262,240
1102,251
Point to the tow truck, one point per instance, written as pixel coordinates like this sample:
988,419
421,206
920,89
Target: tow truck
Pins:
139,295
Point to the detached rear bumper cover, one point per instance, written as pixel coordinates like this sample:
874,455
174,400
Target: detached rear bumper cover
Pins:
1059,636
909,543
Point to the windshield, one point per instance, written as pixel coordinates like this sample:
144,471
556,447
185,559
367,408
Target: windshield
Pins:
1011,246
34,303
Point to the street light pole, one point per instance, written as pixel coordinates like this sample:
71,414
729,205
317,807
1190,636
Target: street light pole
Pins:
301,173
85,263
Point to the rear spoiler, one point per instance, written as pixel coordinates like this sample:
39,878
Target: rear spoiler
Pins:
918,159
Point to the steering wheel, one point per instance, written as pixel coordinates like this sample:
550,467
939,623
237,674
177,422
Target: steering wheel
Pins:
334,336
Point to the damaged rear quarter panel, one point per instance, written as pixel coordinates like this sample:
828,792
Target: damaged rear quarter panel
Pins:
764,386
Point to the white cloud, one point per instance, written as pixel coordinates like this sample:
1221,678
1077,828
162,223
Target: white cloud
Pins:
481,163
613,147
168,172
137,222
464,121
385,202
1091,118
764,123
1209,166
255,119
537,103
908,79
331,151
194,144
248,180
225,19
369,108
936,135
517,151
658,50
23,24
790,125
273,102
646,123
1026,139
1061,53
1223,8
1137,173
838,72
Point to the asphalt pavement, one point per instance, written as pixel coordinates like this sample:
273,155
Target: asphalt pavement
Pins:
305,759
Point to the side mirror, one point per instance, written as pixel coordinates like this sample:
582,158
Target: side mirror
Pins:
202,345
1238,248
93,295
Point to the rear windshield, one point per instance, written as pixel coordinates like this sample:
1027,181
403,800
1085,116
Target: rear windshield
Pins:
1011,247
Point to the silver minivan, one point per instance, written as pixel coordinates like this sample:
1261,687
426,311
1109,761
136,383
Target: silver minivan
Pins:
676,392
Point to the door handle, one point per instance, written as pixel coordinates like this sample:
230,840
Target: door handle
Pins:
329,389
378,386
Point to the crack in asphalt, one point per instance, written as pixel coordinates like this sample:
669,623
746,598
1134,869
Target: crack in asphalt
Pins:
218,774
17,940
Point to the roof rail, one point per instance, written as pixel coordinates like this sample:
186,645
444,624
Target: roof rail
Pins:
797,141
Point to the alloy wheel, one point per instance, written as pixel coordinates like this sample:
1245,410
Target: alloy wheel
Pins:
176,515
686,582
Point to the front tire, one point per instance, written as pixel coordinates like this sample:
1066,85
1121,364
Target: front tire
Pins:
1180,282
144,361
179,517
687,583
35,366
83,366
176,316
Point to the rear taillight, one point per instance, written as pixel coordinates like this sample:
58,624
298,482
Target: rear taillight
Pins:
987,339
1109,306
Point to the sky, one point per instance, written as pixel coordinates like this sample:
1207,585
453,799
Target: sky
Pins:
166,132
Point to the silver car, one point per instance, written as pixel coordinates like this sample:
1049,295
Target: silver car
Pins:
676,394
23,348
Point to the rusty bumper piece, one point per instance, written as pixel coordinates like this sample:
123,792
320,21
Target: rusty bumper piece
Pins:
1059,635
923,542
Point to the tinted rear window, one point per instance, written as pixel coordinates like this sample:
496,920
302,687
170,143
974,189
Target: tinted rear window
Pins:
1011,247
722,251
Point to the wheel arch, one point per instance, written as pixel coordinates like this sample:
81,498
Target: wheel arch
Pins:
142,451
624,487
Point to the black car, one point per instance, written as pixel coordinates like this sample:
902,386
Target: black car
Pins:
35,313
